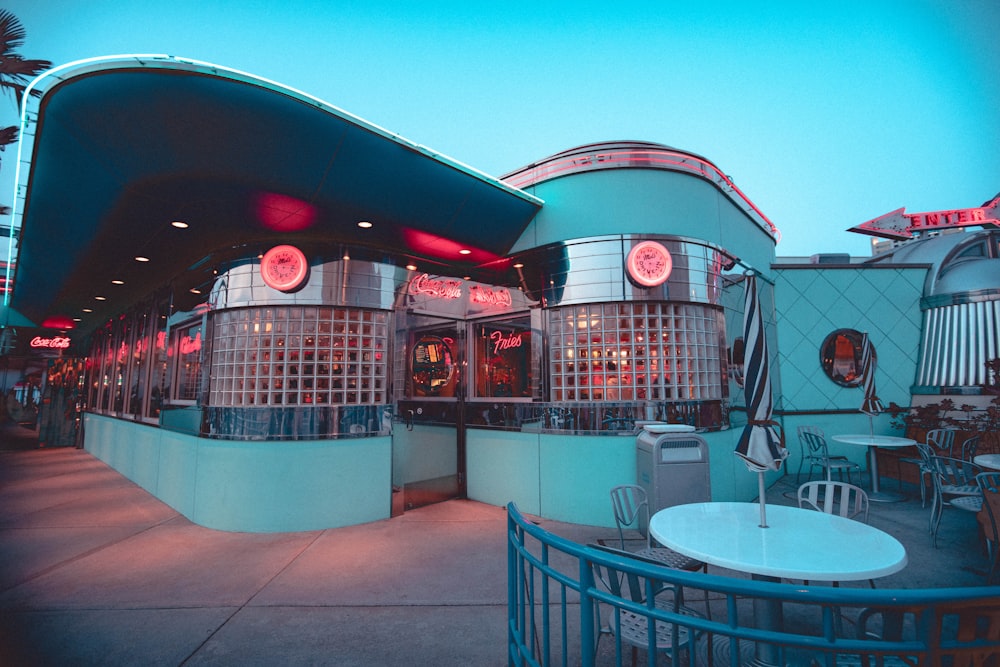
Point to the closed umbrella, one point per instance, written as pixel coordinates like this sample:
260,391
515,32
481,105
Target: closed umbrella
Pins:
872,404
759,445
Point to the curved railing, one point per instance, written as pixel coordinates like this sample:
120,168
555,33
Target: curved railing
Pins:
560,607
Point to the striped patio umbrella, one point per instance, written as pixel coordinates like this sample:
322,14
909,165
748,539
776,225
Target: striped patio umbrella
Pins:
759,446
872,405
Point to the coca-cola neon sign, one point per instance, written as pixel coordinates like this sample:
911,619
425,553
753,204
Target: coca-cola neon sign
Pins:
53,343
502,342
490,297
440,289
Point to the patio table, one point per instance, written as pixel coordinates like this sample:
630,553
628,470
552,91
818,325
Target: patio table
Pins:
872,442
797,544
991,461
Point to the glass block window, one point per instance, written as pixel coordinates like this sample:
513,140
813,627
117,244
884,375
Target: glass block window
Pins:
636,351
299,355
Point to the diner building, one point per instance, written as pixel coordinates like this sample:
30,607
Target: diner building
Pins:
282,317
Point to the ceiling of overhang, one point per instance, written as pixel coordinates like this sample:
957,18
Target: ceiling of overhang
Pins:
120,154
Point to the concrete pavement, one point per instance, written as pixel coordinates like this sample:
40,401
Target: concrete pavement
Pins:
95,571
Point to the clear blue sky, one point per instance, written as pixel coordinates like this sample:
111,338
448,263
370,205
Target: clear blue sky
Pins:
825,114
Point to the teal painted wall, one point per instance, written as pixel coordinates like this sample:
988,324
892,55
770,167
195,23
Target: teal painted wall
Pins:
568,478
812,302
250,486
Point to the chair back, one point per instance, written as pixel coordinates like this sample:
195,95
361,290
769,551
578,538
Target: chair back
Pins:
839,498
989,516
631,509
969,448
815,430
941,440
953,472
815,444
926,452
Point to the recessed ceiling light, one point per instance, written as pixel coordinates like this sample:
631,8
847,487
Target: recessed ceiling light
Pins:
411,267
195,290
179,224
77,319
88,310
117,282
140,258
464,251
100,298
364,224
519,266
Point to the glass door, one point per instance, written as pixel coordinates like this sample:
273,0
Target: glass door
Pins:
428,444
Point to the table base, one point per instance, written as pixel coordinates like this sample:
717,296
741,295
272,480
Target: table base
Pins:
885,497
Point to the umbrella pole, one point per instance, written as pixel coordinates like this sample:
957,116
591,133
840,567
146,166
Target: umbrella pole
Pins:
760,496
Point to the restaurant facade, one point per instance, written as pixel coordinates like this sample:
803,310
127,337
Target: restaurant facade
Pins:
338,325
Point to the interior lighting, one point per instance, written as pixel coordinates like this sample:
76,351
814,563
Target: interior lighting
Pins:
364,224
464,251
411,267
100,298
179,224
140,258
88,310
117,282
195,290
519,265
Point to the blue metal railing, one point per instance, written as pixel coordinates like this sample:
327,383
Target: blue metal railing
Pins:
563,598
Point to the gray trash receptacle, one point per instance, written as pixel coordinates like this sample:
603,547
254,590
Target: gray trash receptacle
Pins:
672,466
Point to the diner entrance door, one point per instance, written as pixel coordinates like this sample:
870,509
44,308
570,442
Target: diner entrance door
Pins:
428,436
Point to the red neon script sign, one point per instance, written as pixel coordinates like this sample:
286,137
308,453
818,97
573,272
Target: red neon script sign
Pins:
54,343
489,297
441,289
501,342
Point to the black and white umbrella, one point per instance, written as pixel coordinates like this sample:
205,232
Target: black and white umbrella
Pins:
759,446
872,404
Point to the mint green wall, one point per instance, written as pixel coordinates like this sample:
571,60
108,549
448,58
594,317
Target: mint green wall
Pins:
503,466
250,486
643,201
813,301
568,477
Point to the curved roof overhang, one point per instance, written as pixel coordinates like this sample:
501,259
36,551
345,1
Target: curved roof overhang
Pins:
116,149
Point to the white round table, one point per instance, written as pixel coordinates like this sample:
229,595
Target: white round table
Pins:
991,461
797,544
872,442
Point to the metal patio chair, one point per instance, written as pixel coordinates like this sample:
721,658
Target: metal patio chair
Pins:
989,519
631,509
633,628
953,479
839,498
923,464
817,454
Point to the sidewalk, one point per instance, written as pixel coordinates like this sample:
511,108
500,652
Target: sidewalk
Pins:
95,571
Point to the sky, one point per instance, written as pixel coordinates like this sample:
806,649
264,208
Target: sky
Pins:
825,115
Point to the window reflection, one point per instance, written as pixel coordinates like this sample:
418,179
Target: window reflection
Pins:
503,359
840,357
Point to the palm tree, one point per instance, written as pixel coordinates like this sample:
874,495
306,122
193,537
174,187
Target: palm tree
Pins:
15,72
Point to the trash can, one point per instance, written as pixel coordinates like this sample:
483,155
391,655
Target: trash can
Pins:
671,464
